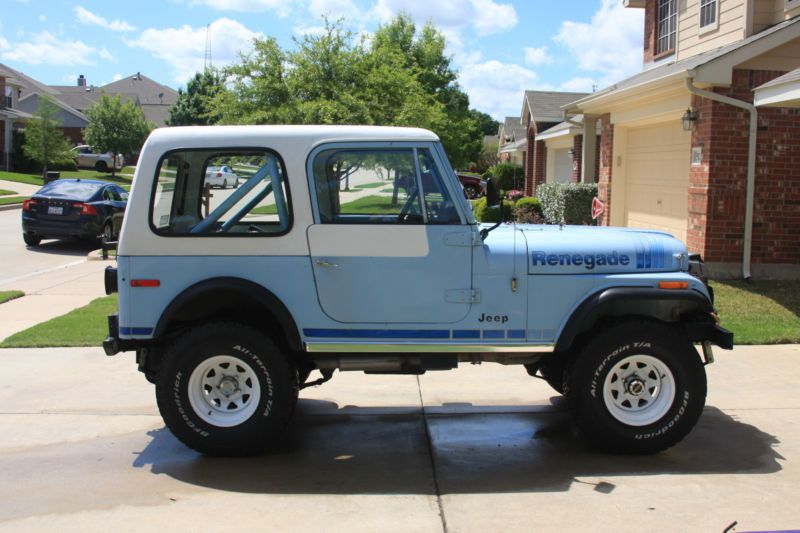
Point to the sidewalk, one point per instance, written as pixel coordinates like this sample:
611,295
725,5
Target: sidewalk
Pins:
22,189
51,293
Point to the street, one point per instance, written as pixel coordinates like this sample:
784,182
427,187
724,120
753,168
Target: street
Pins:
482,448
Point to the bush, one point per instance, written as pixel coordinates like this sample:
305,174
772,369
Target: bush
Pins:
484,213
567,203
509,175
528,210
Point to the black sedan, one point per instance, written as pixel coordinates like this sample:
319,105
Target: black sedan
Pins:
74,208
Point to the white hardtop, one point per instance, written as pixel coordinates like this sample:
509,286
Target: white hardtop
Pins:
300,136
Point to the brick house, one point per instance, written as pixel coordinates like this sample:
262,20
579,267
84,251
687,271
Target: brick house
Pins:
10,116
541,110
682,147
567,157
512,142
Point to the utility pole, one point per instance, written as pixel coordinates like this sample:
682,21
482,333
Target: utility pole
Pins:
207,57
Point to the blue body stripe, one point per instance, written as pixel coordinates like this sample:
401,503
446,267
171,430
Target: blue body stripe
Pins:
516,334
135,331
494,334
466,334
377,333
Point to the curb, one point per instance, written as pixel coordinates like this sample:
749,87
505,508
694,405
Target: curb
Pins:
9,207
97,255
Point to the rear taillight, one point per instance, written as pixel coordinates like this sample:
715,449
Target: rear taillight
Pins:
86,209
28,205
219,174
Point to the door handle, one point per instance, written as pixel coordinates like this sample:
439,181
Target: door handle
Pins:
327,264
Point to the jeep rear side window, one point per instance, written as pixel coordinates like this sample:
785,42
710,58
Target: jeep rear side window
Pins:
219,192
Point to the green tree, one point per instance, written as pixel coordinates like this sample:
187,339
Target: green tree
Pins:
194,105
44,142
116,126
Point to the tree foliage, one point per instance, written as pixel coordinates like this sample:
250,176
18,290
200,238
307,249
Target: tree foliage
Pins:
116,126
44,142
400,77
193,106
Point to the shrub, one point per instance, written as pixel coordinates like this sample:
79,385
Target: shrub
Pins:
515,195
484,213
567,203
528,210
509,175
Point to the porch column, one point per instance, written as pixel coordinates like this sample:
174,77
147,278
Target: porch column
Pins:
588,154
7,144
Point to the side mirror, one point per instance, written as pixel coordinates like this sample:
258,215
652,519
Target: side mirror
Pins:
492,193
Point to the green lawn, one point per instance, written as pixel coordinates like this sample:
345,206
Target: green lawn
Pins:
760,312
85,326
371,205
370,185
36,179
6,200
4,192
5,296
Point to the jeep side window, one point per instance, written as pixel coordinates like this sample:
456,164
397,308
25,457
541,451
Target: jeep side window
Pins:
367,186
184,204
438,204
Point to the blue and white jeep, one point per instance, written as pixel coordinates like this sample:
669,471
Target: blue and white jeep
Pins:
353,248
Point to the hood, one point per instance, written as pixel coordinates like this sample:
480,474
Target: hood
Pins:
596,250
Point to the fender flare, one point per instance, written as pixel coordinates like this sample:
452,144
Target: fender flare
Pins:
245,287
664,305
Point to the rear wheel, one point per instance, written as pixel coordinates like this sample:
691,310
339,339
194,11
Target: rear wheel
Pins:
108,232
31,239
224,184
226,389
101,166
639,387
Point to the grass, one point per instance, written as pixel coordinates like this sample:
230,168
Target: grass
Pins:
760,312
371,205
8,200
271,209
4,192
6,296
85,326
370,185
36,179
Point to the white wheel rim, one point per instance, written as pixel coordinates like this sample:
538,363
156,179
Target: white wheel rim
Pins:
224,391
639,390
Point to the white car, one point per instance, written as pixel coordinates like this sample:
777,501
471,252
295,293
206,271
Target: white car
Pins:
86,157
221,177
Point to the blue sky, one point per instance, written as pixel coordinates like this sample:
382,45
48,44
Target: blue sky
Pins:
501,48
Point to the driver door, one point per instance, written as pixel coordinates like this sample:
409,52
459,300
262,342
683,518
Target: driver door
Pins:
388,244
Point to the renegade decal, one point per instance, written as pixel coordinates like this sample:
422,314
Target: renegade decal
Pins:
588,261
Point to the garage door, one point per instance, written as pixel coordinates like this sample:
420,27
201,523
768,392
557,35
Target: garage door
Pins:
657,181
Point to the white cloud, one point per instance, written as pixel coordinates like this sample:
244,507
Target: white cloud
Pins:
45,49
116,77
537,56
486,17
42,18
308,30
70,79
334,9
183,48
579,85
105,54
84,16
3,43
497,88
281,7
611,44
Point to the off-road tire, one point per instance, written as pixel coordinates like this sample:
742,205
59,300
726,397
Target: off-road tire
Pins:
591,407
31,239
101,166
276,378
554,374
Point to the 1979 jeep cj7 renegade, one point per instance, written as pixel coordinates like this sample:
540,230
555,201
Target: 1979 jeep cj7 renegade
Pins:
353,248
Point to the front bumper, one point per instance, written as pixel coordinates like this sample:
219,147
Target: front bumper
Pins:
709,332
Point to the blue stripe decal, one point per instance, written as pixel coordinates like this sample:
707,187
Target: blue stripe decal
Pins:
648,256
135,331
466,334
378,333
639,254
494,334
516,334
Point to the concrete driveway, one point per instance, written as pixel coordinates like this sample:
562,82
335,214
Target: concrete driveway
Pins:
483,448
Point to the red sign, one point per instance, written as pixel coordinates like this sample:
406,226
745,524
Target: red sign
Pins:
597,207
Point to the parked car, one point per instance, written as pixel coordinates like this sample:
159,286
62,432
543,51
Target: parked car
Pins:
229,311
474,187
221,177
86,157
74,208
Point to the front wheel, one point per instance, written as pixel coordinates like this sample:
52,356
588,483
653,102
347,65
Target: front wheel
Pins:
639,387
226,389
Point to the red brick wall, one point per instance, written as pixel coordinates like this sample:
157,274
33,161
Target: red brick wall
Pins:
606,162
539,164
577,158
529,155
649,30
596,176
717,188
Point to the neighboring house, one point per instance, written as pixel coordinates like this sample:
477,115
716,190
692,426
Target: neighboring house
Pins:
567,157
72,121
512,142
541,110
148,95
11,117
682,148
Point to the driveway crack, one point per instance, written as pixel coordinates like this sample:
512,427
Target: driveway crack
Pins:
434,470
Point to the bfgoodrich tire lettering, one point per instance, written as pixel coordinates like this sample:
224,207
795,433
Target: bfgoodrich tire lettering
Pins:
257,415
639,387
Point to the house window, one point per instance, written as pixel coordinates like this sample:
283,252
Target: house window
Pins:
708,13
666,26
7,97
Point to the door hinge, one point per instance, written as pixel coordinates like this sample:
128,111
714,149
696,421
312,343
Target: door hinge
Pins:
462,296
